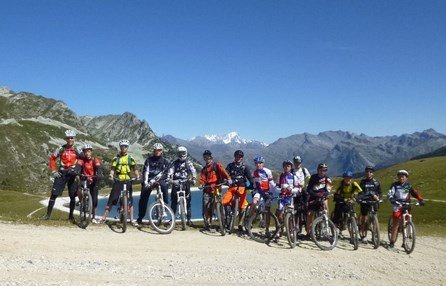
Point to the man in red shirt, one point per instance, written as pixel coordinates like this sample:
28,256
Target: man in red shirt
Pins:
64,169
90,169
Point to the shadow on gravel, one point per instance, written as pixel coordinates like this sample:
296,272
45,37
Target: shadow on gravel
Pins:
146,228
115,226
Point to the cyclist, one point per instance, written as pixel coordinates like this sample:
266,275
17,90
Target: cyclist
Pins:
241,180
154,171
263,187
90,171
64,173
300,200
182,169
122,166
289,187
400,191
347,191
318,187
212,173
371,191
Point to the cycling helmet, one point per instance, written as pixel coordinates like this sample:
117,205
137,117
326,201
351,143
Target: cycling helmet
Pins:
259,159
369,168
403,172
239,153
158,146
70,133
87,147
124,142
182,152
207,153
297,160
348,174
287,162
322,166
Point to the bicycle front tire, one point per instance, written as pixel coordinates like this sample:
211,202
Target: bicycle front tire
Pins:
353,230
375,232
85,208
258,230
183,213
220,216
235,213
161,218
124,213
291,231
324,233
409,237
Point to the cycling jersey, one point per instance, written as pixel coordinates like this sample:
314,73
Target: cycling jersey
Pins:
154,168
263,180
68,156
182,169
213,173
348,191
318,186
123,166
402,192
239,173
301,175
370,187
89,167
291,180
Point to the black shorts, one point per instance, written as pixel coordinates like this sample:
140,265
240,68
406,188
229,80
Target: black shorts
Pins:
116,193
365,208
66,178
208,200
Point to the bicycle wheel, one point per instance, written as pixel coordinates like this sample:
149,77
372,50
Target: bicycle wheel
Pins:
161,218
220,217
124,213
389,228
353,230
85,207
183,213
291,231
324,234
375,232
409,237
235,213
257,228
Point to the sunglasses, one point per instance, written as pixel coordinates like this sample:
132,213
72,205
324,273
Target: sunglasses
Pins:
69,138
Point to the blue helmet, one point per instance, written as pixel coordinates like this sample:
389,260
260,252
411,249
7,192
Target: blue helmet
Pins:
259,159
348,174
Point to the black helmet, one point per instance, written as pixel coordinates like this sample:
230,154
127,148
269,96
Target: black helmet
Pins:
287,162
297,159
322,166
207,153
239,153
370,168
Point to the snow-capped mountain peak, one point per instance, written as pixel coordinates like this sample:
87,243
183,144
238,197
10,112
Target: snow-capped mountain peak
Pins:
230,138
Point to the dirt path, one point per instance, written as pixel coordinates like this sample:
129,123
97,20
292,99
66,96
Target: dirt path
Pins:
41,255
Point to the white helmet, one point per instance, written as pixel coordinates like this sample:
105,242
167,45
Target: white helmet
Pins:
87,147
403,172
124,142
182,152
70,133
158,146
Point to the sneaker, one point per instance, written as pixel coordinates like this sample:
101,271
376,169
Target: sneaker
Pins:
135,224
391,245
139,221
340,235
45,217
240,228
94,221
189,223
364,240
71,219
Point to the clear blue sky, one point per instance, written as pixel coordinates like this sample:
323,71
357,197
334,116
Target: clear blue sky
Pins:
267,69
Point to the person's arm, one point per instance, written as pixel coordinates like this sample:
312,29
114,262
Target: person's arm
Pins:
193,172
203,178
222,172
357,190
145,171
248,176
391,194
416,195
53,160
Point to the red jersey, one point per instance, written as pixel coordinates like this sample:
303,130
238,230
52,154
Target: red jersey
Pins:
68,157
89,166
211,173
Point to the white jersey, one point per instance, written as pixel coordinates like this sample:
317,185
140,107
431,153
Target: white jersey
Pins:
301,174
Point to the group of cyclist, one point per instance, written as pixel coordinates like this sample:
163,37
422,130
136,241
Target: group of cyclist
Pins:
295,185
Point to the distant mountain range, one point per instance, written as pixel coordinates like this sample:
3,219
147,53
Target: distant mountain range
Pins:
341,150
32,126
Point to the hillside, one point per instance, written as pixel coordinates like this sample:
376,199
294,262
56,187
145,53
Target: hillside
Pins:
439,152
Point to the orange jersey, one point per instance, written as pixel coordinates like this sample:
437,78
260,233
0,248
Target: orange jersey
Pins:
68,157
211,174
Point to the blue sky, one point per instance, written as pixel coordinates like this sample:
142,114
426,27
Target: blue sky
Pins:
267,69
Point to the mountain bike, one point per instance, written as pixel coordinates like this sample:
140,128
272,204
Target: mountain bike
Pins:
181,199
217,205
262,224
161,216
349,220
123,210
289,221
323,230
372,221
406,227
85,202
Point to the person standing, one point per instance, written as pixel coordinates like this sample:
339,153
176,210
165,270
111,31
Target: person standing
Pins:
154,171
64,170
